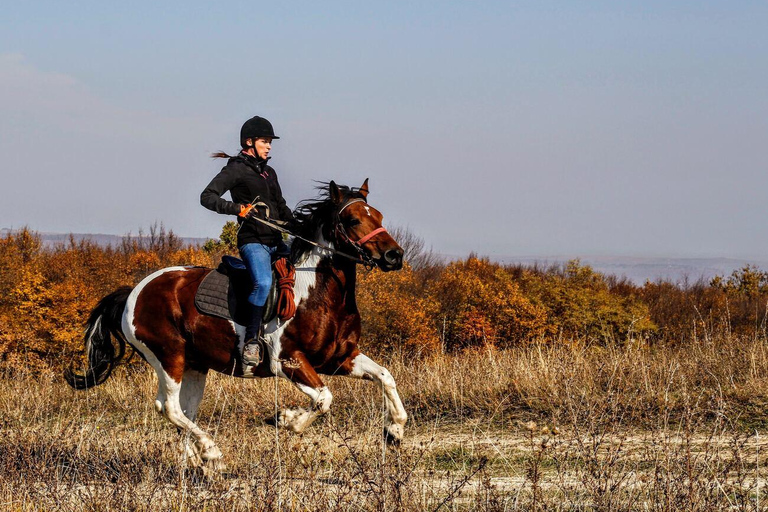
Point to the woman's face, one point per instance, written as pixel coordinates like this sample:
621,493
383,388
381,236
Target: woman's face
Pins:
262,146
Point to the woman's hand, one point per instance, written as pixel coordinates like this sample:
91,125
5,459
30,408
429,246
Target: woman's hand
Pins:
245,210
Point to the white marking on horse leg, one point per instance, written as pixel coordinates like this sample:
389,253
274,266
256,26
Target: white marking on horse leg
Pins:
160,399
192,388
365,367
299,418
173,411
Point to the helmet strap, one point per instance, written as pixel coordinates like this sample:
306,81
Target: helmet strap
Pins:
250,149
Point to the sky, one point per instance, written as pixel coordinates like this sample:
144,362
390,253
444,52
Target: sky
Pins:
502,128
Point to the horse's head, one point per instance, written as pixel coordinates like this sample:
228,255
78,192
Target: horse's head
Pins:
357,226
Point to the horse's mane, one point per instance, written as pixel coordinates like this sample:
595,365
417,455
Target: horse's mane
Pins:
316,215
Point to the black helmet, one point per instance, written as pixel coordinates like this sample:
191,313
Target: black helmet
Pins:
254,128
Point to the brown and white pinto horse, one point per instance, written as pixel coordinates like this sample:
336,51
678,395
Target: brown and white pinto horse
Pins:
158,318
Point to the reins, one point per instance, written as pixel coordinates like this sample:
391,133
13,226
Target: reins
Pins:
362,258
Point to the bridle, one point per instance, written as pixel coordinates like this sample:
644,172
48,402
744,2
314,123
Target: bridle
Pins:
341,233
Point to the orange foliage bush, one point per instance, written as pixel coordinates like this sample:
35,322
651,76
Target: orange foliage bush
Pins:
395,315
480,303
582,303
746,300
737,304
46,295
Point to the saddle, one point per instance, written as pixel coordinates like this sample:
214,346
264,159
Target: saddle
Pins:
224,291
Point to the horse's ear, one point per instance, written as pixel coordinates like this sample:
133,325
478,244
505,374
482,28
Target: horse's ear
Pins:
334,192
364,189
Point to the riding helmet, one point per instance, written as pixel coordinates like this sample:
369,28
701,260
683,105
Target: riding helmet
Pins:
254,128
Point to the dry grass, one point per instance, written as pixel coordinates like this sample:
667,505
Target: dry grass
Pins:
625,427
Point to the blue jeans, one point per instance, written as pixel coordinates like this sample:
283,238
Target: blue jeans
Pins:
258,261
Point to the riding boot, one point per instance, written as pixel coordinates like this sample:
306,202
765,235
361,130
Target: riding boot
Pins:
253,349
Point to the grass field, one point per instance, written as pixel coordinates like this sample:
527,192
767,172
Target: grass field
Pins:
625,427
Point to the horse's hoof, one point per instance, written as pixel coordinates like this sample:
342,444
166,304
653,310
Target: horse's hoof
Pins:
287,419
194,460
214,469
211,454
273,421
391,438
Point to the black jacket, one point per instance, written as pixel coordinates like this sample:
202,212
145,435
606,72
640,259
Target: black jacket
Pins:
248,179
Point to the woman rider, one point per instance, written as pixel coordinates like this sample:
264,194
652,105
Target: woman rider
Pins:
250,180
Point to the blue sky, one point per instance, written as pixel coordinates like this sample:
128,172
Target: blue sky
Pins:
503,128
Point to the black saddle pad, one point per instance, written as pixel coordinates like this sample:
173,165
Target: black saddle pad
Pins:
224,292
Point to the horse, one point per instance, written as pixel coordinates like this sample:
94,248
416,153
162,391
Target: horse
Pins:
159,320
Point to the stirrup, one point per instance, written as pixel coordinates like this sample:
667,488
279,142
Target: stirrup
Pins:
253,351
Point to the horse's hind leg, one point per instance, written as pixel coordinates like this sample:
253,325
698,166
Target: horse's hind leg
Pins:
192,388
363,367
160,399
172,408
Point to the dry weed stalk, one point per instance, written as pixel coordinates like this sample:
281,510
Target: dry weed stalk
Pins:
632,427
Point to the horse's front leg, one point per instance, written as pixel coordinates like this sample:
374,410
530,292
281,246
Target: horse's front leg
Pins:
298,370
363,367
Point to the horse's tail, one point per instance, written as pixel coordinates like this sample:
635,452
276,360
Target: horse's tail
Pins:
102,326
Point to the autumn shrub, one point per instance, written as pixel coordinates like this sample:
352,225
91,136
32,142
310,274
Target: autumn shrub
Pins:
46,294
10,262
746,299
684,310
582,303
737,304
226,243
395,315
481,303
23,291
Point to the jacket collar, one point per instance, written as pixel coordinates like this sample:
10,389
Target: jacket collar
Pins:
254,162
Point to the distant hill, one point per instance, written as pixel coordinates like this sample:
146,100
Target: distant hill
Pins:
52,239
